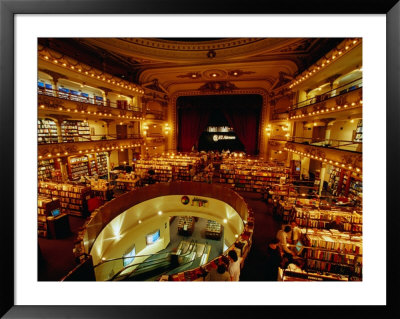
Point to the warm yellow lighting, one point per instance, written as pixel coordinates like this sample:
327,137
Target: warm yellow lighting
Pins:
225,221
160,213
139,221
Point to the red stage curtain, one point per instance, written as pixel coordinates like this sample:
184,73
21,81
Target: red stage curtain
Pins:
192,122
245,125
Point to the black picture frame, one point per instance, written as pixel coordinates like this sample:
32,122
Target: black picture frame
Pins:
8,10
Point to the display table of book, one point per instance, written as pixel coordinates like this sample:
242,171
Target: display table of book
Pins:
213,230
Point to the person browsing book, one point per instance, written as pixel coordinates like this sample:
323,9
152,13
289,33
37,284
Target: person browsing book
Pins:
234,265
283,236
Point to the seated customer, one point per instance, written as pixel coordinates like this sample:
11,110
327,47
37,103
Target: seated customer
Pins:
219,274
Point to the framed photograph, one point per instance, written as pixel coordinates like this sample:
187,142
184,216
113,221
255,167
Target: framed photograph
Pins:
23,23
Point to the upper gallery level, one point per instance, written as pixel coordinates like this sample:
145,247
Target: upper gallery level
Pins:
333,84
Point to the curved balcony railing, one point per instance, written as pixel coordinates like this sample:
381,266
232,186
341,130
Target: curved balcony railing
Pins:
343,145
91,138
351,86
85,99
106,213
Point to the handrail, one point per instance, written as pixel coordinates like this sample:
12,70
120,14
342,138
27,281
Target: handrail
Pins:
108,137
326,95
322,142
83,99
191,244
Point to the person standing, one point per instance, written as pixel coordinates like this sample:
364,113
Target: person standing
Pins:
295,233
283,236
219,274
234,265
274,259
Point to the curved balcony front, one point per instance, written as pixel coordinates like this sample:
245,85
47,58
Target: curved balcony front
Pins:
128,220
75,148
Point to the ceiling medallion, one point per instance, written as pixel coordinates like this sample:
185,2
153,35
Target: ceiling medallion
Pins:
214,74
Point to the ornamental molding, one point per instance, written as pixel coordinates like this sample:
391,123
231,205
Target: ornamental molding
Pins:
49,55
50,102
218,86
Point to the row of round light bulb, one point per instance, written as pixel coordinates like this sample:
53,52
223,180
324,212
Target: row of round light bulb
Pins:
120,148
103,78
323,160
96,113
329,110
308,73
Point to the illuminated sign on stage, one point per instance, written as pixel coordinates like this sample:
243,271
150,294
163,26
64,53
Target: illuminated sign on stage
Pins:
217,137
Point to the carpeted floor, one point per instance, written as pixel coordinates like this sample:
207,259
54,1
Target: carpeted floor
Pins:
265,228
58,259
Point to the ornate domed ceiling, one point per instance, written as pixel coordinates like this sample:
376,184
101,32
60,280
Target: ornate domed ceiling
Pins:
189,63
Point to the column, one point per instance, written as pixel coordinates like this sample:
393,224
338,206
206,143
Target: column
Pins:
322,177
59,119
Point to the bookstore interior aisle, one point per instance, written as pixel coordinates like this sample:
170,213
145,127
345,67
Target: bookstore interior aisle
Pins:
135,165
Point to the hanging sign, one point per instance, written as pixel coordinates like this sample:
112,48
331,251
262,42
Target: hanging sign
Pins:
217,137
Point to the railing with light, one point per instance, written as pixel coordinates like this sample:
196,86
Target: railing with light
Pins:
84,99
348,87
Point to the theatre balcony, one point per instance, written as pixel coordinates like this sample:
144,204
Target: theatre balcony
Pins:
95,144
344,154
347,97
71,104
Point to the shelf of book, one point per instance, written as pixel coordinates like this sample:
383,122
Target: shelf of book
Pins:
213,230
351,219
334,179
47,131
73,198
168,168
186,225
252,176
46,205
102,166
45,168
75,131
78,166
359,132
333,252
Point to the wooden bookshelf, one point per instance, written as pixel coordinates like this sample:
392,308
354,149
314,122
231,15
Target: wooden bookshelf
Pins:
186,225
78,166
320,218
73,198
102,166
328,252
75,131
45,168
46,204
47,131
252,176
359,132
